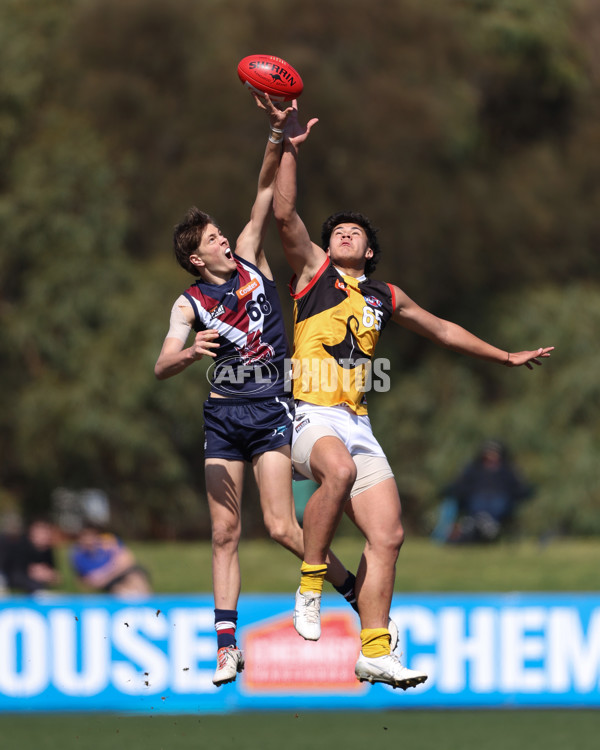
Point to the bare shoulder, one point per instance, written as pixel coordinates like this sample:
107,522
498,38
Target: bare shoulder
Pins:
182,307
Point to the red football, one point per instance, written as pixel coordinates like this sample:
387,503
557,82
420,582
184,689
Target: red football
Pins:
270,75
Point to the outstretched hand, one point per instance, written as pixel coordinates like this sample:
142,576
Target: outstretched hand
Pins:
528,359
294,131
277,117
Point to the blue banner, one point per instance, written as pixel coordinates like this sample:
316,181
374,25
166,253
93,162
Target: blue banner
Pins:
102,653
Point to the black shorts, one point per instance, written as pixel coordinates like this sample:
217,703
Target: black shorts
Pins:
239,429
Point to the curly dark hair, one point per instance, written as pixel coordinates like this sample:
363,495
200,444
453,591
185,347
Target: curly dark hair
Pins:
353,217
188,235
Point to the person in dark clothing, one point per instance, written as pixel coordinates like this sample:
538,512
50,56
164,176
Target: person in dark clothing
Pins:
486,495
29,564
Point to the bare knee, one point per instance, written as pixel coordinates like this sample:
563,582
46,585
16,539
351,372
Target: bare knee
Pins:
225,536
339,478
285,532
388,543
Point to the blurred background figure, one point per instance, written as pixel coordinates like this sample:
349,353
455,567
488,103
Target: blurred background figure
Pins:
480,504
28,560
103,563
5,542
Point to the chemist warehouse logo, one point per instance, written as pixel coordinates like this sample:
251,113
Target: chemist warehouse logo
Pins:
477,650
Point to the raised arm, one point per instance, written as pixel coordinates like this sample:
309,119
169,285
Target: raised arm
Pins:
304,256
451,336
249,244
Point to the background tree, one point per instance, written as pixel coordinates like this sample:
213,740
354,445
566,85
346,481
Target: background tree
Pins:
468,131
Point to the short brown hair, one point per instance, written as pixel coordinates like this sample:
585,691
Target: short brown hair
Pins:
188,235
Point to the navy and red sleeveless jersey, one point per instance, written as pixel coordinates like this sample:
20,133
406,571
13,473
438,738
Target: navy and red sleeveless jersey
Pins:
253,355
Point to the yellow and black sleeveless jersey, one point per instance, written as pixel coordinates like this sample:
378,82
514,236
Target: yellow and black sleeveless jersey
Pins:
337,322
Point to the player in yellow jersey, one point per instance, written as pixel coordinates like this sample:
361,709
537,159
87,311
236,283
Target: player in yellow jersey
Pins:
339,315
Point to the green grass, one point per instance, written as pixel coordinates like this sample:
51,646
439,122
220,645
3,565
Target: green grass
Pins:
417,730
562,565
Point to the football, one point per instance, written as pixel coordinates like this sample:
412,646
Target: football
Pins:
270,75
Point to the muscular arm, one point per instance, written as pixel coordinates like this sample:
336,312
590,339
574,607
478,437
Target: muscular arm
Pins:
304,256
173,357
452,336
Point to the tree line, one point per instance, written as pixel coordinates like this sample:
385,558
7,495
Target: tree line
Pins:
467,131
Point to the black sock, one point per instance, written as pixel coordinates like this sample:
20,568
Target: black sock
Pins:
347,590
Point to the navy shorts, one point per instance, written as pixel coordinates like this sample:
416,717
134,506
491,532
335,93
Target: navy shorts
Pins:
238,429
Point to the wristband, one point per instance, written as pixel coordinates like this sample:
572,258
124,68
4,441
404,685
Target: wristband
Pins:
507,363
276,140
276,130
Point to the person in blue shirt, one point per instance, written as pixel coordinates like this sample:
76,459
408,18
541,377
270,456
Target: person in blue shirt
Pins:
103,563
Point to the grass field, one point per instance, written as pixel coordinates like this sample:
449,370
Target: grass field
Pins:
526,565
562,565
414,730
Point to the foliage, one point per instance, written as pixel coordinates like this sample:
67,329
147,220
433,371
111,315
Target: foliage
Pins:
440,412
468,131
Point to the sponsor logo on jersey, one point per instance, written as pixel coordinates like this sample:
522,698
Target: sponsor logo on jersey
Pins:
217,310
373,301
302,424
247,289
339,284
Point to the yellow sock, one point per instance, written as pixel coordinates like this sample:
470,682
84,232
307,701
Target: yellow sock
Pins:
375,642
312,577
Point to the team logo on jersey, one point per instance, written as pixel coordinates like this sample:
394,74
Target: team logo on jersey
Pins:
217,310
255,350
373,301
247,289
348,353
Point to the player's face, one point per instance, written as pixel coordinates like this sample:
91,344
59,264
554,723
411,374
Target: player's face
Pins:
348,245
214,253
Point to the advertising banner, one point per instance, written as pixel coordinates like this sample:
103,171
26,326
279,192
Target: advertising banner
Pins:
102,653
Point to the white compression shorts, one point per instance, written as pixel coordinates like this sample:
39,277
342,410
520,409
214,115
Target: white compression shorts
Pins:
313,422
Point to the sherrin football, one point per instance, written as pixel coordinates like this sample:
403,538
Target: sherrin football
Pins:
270,75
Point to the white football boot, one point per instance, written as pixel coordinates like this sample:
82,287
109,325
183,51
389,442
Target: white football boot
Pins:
307,615
230,661
387,669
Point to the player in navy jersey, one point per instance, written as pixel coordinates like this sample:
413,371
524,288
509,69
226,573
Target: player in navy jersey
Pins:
234,310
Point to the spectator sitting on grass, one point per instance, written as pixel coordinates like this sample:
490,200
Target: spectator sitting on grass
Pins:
103,563
483,499
29,564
